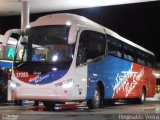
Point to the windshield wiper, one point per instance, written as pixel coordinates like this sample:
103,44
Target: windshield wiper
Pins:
20,65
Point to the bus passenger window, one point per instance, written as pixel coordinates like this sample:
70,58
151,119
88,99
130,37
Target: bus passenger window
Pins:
81,56
96,45
149,64
114,47
82,50
128,57
129,52
91,45
150,60
141,59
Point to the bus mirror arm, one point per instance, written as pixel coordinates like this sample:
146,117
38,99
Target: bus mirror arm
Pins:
9,33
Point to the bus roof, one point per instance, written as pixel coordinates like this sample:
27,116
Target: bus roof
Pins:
76,20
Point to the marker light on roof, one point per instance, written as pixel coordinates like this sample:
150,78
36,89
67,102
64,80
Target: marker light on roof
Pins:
28,26
68,23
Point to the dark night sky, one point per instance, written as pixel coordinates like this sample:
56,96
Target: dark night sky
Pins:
139,22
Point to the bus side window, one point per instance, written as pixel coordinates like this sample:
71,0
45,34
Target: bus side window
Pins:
91,45
96,45
150,61
82,49
141,59
114,47
129,52
149,64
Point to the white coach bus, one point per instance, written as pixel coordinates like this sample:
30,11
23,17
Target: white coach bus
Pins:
67,57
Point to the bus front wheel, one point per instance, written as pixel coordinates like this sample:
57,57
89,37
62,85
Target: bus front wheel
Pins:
18,102
95,102
49,105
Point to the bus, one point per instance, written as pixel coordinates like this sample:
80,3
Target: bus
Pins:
67,57
6,60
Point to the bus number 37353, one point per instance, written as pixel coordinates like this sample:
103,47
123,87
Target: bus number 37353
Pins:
21,74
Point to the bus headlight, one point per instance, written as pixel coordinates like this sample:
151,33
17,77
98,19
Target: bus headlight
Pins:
13,84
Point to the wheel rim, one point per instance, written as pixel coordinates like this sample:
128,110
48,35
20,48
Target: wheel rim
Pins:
97,98
143,96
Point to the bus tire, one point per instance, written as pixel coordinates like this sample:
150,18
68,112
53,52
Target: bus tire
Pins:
49,105
18,102
142,98
97,98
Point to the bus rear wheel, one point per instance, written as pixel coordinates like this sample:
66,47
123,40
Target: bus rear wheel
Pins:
97,98
49,105
142,98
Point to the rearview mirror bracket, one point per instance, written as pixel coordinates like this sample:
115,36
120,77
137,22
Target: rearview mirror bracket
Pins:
9,33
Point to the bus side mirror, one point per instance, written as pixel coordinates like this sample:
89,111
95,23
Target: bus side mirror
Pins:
9,33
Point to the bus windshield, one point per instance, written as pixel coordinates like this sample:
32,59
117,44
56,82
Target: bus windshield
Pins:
44,48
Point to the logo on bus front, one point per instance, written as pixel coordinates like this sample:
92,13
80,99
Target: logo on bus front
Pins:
38,77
